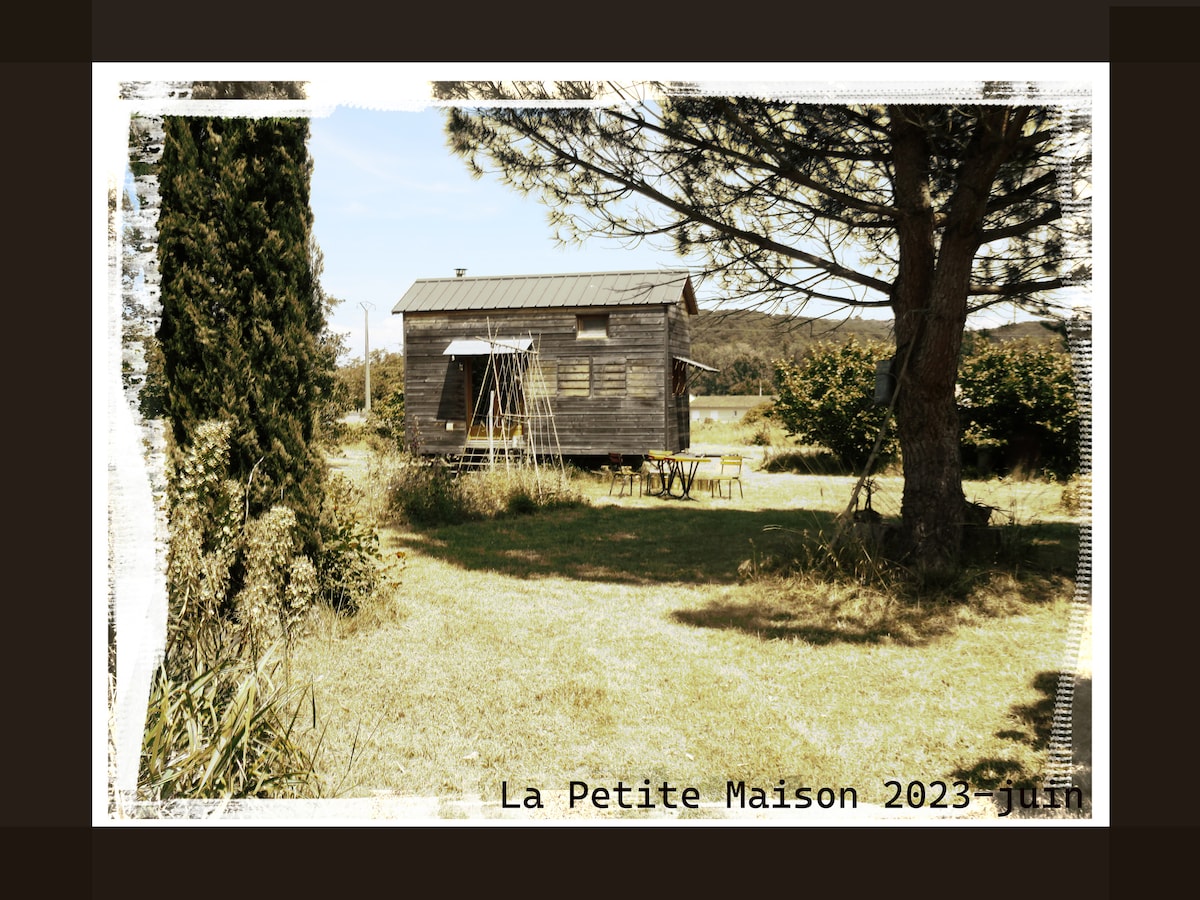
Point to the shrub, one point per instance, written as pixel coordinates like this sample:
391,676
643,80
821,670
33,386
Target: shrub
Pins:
206,510
1019,409
519,490
278,585
387,378
387,418
348,570
237,589
221,562
520,503
758,414
805,461
828,399
218,729
425,493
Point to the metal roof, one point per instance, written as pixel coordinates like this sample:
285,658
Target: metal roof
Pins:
588,289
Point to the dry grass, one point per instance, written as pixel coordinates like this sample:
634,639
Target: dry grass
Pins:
618,642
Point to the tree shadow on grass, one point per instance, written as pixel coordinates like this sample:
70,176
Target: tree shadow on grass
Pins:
1040,546
672,543
999,775
821,611
820,619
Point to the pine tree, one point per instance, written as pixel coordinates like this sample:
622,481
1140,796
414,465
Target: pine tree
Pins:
242,317
934,211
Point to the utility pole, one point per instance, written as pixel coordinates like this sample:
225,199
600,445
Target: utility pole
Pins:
367,356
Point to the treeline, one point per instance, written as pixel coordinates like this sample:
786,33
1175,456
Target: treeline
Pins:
387,378
745,346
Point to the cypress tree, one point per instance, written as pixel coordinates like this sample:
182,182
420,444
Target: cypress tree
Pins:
242,317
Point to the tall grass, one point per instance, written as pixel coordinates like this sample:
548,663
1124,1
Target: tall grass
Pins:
222,729
429,493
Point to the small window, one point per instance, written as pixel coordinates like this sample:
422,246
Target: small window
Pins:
591,327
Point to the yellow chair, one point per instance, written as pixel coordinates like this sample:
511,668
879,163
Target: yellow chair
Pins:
618,470
731,471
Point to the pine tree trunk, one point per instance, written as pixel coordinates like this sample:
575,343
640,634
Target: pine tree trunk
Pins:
930,301
928,427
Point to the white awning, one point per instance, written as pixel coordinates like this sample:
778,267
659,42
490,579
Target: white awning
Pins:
483,347
692,362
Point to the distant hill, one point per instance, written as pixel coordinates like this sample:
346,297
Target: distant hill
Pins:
1035,331
744,344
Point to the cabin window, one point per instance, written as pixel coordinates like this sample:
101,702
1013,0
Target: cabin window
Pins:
644,381
575,377
591,327
608,379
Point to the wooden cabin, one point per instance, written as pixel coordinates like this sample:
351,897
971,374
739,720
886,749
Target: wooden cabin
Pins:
596,361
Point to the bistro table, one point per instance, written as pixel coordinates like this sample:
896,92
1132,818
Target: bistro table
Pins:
681,468
659,461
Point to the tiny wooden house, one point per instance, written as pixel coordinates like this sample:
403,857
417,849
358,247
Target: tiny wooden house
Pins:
604,355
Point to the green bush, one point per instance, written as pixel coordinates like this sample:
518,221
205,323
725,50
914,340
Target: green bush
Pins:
520,503
805,461
387,418
1019,409
348,567
758,421
759,414
221,563
828,399
425,493
519,490
387,378
278,585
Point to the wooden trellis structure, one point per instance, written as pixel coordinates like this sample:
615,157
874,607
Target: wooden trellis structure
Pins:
512,420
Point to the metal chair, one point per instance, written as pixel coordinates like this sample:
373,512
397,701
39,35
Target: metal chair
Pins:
731,471
623,473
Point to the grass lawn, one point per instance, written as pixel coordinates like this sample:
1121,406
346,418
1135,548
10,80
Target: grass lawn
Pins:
616,642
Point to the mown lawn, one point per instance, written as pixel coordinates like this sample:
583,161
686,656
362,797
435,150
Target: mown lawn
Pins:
616,641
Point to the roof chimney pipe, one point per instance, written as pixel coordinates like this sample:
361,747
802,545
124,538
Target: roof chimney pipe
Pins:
459,273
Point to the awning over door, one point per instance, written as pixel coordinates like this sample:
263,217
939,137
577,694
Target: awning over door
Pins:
483,347
692,362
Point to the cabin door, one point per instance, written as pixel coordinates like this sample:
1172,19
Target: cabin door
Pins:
494,396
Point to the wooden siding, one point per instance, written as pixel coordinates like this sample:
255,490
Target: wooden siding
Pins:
607,394
574,377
